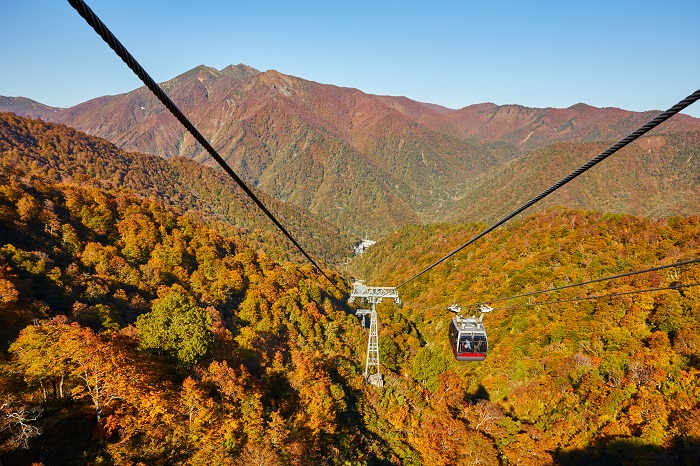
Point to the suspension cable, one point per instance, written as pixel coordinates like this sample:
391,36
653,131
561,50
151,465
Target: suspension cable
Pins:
489,301
694,97
101,29
624,293
628,274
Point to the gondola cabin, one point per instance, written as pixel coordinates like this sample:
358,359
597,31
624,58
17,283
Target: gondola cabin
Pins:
468,336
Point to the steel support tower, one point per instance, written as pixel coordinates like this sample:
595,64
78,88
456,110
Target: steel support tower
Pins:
373,295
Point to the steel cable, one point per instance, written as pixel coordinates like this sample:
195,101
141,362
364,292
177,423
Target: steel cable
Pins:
628,274
101,29
623,293
694,97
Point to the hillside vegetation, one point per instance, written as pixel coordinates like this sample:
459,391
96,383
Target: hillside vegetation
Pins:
608,381
149,314
655,176
134,334
373,164
35,147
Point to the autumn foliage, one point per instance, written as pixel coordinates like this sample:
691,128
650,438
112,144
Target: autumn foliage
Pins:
132,333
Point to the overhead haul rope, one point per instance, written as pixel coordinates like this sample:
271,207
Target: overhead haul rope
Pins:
694,97
628,274
102,30
624,293
597,280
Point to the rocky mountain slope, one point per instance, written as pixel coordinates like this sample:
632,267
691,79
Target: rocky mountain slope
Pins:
366,163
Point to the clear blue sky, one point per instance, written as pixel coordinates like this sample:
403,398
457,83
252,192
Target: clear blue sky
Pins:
637,55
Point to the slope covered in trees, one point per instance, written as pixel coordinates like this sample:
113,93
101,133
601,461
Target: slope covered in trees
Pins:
655,176
63,154
370,163
180,344
131,333
608,381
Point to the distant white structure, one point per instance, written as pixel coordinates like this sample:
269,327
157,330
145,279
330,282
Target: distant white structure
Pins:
360,247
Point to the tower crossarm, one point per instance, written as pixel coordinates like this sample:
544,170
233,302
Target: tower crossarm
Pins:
373,294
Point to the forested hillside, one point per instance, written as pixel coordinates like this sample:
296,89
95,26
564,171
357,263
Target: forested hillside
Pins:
131,333
135,334
608,381
150,314
655,176
373,164
35,147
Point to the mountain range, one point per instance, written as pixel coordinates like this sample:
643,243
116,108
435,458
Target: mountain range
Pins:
148,313
32,147
372,164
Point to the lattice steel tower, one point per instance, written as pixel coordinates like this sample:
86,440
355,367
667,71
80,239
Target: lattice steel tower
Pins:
373,295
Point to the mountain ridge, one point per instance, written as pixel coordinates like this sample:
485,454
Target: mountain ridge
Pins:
64,154
365,163
268,369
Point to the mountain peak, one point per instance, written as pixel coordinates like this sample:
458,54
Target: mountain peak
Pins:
204,72
284,84
239,71
196,72
581,107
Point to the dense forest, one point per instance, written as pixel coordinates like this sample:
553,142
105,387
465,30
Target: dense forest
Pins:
137,328
134,334
656,176
63,154
152,338
608,381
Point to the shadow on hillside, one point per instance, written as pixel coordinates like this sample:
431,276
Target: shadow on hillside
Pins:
480,394
630,451
66,439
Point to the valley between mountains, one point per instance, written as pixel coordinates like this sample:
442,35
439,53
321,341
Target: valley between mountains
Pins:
372,164
151,314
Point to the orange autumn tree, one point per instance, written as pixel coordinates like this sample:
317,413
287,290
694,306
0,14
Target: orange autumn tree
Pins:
97,369
443,437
